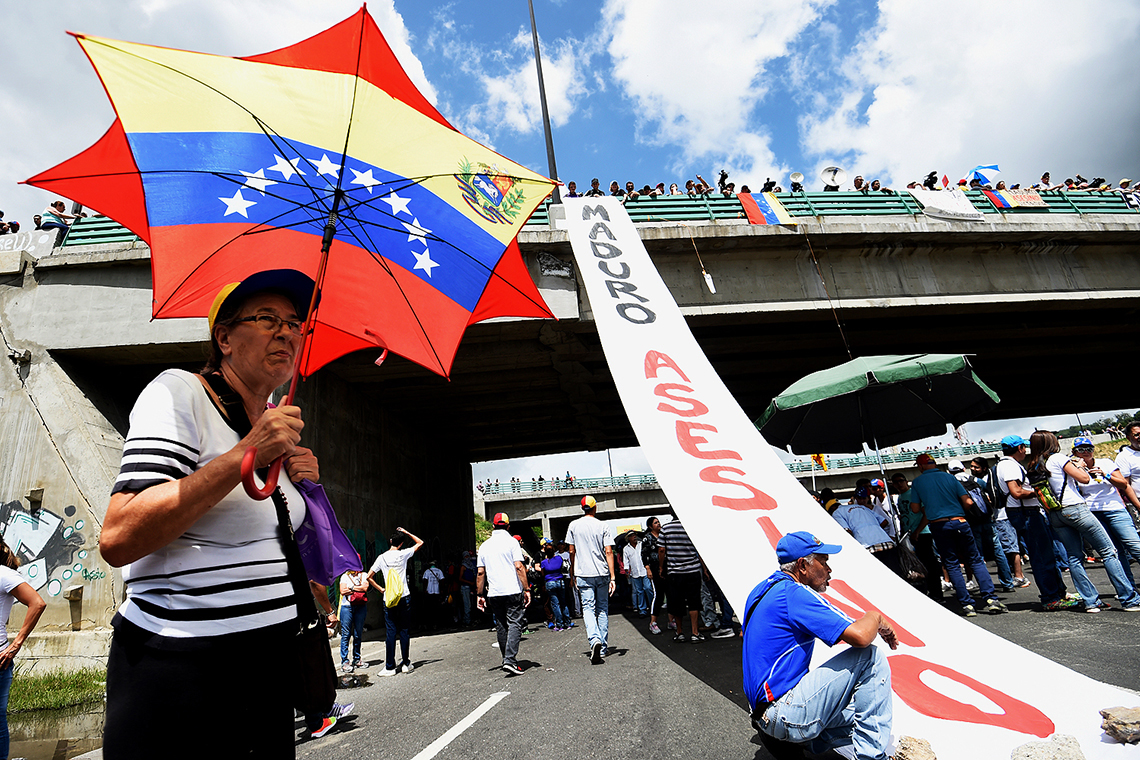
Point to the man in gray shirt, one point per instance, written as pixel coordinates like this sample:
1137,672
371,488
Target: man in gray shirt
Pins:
592,570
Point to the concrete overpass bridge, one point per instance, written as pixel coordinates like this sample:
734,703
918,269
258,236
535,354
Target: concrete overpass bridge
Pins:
1018,291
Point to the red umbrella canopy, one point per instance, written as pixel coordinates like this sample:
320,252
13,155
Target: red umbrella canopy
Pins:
230,166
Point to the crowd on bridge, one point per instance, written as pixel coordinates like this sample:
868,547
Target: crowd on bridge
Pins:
701,188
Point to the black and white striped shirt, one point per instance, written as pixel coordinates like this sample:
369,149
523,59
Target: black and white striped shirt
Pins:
227,573
680,554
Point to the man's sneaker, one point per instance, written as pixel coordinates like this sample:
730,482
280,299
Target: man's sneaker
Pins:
1133,608
994,607
680,638
672,624
969,611
388,672
326,726
723,633
339,711
359,665
596,653
345,667
700,637
1073,596
1022,582
408,667
971,585
947,585
514,670
1060,604
654,628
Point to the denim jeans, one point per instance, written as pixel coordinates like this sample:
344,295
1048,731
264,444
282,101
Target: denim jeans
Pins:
351,624
465,594
5,687
556,590
984,536
641,592
396,623
1072,524
595,591
1124,537
1031,526
956,546
509,612
846,701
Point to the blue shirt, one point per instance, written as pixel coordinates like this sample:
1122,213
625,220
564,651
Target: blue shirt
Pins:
938,493
780,635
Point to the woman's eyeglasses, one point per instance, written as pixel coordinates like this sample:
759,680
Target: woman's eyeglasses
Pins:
272,323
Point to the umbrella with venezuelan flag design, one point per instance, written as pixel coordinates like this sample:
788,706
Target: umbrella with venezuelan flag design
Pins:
230,166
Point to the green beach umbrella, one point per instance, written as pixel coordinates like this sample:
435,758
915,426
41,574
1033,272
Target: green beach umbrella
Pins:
877,400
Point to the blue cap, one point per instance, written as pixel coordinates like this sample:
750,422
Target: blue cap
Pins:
861,492
1013,441
801,544
1083,441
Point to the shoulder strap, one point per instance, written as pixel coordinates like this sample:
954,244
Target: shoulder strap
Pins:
748,615
233,412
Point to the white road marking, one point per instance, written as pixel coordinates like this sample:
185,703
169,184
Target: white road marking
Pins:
434,748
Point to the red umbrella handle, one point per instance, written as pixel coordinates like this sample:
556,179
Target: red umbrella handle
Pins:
247,479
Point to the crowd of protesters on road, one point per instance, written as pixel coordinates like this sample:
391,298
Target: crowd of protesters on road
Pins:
1034,507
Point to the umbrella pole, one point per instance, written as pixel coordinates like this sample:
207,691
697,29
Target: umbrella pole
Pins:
250,459
883,471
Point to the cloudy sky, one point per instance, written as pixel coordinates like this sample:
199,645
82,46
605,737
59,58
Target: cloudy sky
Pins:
659,90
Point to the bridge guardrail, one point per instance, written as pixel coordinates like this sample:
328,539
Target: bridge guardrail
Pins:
833,463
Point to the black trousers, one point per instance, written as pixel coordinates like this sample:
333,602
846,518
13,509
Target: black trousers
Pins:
198,704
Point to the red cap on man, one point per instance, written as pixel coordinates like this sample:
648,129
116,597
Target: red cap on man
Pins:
500,520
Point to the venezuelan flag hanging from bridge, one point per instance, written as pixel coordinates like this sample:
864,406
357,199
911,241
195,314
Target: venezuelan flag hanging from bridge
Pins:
228,166
1001,199
764,209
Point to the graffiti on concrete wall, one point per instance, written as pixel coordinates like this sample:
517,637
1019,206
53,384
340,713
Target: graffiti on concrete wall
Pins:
50,546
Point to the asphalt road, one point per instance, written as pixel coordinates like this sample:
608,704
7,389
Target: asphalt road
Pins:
652,698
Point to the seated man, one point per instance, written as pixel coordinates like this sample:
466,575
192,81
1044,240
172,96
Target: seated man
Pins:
845,703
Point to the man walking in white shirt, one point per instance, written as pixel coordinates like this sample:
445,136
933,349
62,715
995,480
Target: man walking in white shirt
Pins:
502,573
592,571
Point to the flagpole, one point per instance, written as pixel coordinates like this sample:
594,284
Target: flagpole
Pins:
554,197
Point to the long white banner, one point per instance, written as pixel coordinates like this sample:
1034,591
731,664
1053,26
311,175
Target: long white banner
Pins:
970,693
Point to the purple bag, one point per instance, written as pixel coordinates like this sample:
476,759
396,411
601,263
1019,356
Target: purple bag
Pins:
325,549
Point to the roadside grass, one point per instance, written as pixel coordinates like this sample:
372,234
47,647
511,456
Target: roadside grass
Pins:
1108,449
483,530
53,691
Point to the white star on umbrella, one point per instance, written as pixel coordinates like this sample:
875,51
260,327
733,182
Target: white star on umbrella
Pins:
257,180
415,231
324,166
424,262
364,178
237,204
395,201
286,168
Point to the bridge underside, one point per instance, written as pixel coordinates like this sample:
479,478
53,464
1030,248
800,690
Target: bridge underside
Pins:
1036,309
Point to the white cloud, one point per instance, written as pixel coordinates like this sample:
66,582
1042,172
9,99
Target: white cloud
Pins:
695,72
1027,86
54,106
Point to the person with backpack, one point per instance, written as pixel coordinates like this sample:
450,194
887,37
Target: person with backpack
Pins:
1024,512
1056,478
1004,536
392,567
353,608
980,518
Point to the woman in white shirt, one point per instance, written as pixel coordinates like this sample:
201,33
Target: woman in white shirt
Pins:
353,608
1102,494
1073,522
13,588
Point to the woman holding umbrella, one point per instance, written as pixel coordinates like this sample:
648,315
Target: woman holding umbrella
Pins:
207,586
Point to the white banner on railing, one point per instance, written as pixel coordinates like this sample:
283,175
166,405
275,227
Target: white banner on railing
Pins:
970,693
951,205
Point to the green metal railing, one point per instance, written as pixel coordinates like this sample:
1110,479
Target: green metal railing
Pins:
642,481
682,208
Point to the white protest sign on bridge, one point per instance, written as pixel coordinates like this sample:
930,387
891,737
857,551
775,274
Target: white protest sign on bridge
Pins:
950,205
970,693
